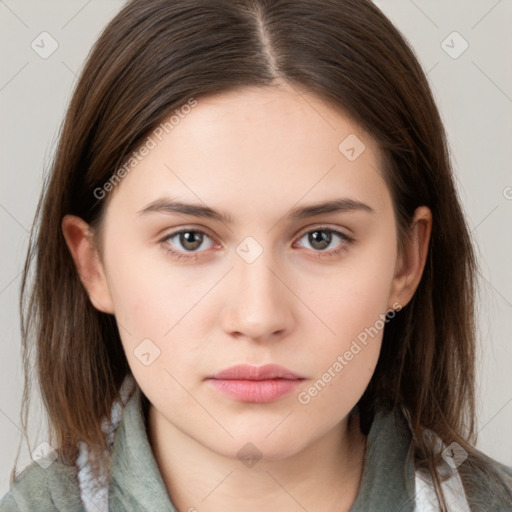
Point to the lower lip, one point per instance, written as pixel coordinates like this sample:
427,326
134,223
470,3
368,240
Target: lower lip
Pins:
259,391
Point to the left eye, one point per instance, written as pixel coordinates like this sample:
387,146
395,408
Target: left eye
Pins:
320,238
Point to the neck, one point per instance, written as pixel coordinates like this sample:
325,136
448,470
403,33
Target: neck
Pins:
325,475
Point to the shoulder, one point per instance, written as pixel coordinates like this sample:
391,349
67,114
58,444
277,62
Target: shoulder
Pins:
474,482
504,471
54,488
488,488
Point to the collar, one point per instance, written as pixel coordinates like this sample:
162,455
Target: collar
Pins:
136,482
388,480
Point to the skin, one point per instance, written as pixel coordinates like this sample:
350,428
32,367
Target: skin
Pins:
254,153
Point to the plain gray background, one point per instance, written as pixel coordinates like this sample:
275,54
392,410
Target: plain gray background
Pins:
473,89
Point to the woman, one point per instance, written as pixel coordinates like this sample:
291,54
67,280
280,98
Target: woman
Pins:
254,283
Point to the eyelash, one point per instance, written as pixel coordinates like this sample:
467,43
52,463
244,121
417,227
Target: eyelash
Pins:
321,254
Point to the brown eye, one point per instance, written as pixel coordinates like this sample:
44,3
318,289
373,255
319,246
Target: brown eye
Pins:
190,240
321,238
186,240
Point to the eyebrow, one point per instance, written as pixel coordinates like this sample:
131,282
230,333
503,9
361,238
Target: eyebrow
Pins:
169,206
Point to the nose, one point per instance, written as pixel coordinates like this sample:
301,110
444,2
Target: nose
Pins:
258,305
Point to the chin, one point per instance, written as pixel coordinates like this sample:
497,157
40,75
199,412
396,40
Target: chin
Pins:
251,449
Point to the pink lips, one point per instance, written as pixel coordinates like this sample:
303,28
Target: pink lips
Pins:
256,383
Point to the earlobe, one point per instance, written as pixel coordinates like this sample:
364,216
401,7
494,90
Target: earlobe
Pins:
411,263
78,236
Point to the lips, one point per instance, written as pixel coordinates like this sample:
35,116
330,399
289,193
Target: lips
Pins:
265,372
259,384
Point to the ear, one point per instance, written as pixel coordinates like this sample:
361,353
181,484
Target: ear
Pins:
78,236
410,264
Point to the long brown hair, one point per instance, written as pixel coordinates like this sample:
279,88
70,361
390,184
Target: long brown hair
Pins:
152,58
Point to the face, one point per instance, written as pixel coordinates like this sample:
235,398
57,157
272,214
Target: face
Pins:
264,284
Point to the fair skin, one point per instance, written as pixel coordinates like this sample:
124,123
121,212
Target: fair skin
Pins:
256,154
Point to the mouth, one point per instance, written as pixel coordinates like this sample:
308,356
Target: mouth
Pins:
257,384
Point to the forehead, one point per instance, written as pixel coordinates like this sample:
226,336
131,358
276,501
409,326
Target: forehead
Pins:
254,148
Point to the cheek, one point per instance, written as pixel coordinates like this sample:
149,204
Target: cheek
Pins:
352,308
346,355
154,328
150,293
160,310
353,298
140,306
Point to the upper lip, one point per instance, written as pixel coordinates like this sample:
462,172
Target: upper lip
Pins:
248,372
